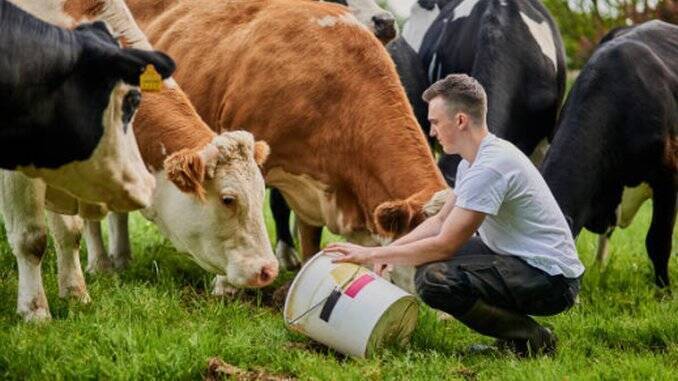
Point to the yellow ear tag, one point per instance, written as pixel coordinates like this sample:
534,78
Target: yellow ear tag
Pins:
150,80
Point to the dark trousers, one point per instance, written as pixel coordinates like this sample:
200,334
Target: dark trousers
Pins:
476,272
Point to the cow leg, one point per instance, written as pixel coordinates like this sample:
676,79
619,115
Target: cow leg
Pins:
66,231
97,259
22,203
603,247
118,235
658,240
284,248
309,237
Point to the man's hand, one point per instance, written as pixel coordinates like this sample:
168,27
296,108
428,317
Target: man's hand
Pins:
351,253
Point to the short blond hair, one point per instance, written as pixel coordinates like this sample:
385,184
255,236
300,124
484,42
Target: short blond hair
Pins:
462,93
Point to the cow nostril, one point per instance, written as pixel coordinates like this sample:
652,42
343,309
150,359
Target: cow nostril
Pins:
266,274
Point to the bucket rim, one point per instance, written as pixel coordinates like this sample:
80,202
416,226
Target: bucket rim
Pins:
297,278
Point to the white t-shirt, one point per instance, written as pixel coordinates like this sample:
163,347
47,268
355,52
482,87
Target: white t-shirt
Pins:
523,218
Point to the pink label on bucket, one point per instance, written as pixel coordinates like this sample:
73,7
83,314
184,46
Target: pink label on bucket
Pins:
358,284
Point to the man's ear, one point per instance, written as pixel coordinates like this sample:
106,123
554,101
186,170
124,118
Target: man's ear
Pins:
462,121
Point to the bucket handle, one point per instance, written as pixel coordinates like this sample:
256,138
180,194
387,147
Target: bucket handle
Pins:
320,303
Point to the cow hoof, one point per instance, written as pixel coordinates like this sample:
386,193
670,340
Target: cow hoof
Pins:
287,256
36,315
222,288
99,266
442,316
76,293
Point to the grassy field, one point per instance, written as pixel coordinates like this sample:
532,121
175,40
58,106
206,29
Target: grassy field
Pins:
157,321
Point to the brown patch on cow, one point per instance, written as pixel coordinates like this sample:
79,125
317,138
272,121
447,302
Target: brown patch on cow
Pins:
79,9
218,369
671,153
395,218
167,123
186,169
261,152
343,118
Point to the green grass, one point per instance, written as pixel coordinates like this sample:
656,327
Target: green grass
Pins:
158,321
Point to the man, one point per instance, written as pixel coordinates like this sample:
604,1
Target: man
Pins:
523,262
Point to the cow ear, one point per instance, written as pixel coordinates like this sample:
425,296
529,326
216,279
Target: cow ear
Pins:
187,169
436,203
130,64
395,218
261,152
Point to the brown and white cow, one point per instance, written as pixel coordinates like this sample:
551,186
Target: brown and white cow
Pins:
209,195
313,82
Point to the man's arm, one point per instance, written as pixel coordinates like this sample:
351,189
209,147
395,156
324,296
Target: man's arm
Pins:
458,227
431,226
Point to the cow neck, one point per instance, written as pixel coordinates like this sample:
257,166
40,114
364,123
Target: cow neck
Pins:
581,161
166,123
400,165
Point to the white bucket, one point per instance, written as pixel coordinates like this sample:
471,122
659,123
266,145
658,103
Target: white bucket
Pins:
348,308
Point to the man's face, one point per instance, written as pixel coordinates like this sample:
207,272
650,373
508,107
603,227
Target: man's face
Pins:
443,127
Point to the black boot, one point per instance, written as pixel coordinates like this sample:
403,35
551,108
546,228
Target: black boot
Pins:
519,333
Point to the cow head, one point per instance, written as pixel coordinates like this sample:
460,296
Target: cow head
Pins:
210,205
91,150
379,21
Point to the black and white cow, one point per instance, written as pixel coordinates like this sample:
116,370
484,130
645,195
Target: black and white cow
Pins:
66,106
514,49
422,14
619,127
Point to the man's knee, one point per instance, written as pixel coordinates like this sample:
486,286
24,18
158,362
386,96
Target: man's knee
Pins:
442,287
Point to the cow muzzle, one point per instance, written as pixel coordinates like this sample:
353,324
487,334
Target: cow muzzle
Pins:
265,276
384,27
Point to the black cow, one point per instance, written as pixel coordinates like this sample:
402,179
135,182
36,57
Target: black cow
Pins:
55,85
514,49
413,77
619,127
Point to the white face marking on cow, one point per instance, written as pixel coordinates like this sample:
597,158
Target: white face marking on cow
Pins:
464,9
401,8
114,174
544,37
346,19
416,26
225,233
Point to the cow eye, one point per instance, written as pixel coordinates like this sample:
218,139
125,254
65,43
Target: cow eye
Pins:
228,200
129,105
